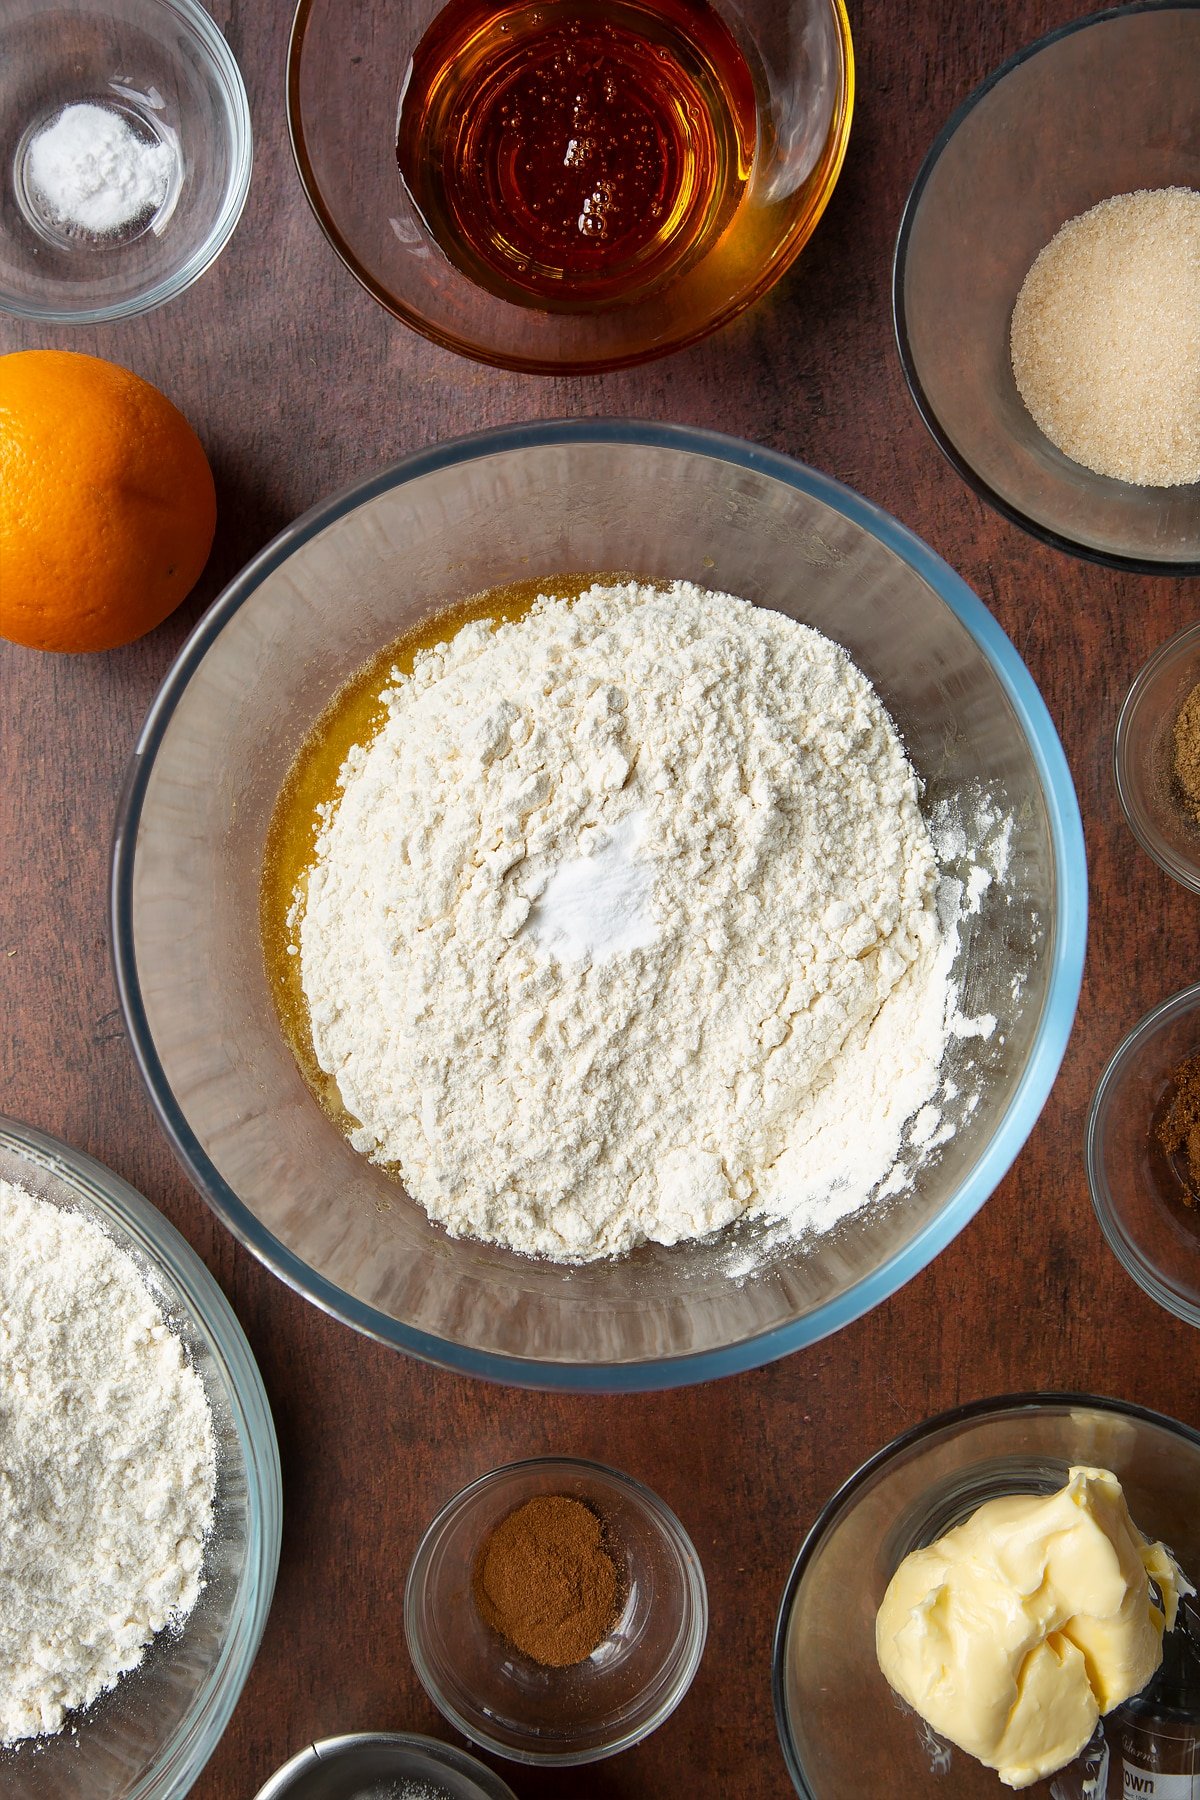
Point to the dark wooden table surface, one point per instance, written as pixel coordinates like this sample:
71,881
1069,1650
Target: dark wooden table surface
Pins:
298,383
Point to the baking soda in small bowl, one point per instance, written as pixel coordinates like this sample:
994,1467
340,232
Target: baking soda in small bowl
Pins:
96,170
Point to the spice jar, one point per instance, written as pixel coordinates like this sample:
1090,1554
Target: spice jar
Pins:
1155,1737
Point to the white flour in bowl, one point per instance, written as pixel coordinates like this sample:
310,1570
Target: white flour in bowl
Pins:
107,1466
735,1016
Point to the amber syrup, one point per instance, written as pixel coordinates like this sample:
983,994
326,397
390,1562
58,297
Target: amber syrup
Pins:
570,153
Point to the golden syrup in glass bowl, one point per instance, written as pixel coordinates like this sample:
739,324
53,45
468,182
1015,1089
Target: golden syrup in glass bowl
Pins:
570,154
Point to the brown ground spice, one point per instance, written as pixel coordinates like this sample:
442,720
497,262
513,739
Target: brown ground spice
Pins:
545,1581
1179,1129
1186,745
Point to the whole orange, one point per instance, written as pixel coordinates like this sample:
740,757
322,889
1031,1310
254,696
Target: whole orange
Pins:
107,505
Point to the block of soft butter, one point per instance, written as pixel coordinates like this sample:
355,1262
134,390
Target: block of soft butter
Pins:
1012,1633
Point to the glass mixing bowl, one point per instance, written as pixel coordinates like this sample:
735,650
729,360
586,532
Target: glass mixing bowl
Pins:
1103,106
1143,758
346,71
844,1733
166,67
1138,1196
341,584
632,1681
149,1737
372,1765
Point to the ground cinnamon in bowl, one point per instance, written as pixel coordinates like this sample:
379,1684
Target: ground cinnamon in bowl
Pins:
544,1579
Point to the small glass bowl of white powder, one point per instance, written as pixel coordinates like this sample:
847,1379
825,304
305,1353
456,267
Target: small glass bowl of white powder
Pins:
125,155
122,1664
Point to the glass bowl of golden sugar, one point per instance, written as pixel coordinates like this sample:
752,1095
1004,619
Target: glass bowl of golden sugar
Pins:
1047,289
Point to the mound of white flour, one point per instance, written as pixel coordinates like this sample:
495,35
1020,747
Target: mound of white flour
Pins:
106,1466
624,927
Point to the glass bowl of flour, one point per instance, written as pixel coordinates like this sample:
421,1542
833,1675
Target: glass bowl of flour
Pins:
787,672
125,155
149,1735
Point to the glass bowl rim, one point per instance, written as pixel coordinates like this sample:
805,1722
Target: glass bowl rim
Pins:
139,1224
223,65
836,143
966,471
1132,1258
647,1502
998,1406
1012,1128
326,1750
1187,874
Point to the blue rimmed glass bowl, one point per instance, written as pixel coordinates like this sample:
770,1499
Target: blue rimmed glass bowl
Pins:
337,587
149,1737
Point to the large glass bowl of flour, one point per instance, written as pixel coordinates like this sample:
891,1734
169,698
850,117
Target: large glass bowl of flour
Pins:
354,575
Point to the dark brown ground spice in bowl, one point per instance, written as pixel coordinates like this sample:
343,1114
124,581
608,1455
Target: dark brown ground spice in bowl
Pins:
1156,757
1179,1127
544,1579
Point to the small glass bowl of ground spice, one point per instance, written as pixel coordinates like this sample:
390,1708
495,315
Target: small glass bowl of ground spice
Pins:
1066,395
1156,753
1143,1154
556,1611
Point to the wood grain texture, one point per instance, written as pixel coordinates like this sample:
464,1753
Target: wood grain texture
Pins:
298,383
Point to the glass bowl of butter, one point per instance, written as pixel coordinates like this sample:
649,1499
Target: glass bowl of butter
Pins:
1016,1565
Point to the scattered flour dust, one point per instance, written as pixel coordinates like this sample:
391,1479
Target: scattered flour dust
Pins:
107,1466
625,926
407,1788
